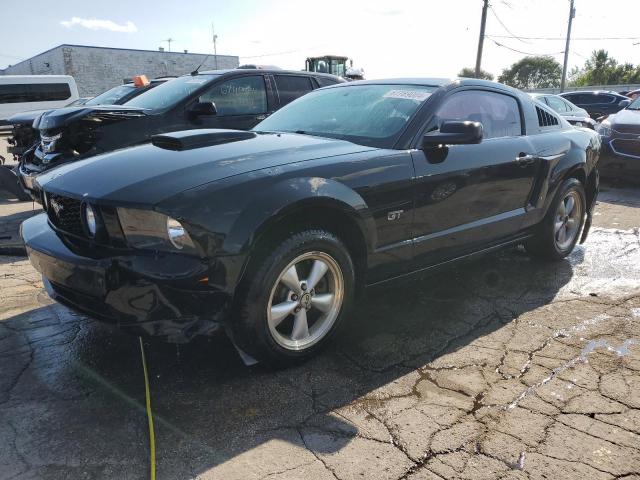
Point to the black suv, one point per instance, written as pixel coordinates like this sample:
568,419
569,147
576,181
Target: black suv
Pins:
232,99
598,103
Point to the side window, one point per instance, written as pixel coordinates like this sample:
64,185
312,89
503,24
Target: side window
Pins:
325,82
291,87
34,92
557,104
498,113
570,107
576,98
240,96
589,99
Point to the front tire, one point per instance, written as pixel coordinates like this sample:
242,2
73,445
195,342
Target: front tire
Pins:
560,230
295,298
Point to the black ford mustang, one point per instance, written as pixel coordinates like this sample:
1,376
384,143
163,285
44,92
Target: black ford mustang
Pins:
272,232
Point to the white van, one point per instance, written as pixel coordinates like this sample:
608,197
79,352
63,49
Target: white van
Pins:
20,93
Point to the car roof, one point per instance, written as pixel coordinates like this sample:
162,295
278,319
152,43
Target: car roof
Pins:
593,92
265,70
432,82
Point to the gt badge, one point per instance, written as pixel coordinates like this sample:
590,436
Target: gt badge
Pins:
395,215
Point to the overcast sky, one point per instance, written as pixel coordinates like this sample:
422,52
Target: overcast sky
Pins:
386,38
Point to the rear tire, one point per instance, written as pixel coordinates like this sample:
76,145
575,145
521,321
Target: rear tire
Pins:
560,230
294,298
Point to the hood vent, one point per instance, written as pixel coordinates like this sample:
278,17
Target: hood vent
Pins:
189,139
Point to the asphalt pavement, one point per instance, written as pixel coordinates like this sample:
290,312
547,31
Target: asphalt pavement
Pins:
501,368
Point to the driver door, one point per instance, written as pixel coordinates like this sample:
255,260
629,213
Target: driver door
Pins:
468,196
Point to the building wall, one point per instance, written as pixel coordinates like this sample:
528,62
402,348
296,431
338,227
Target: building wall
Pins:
46,63
97,69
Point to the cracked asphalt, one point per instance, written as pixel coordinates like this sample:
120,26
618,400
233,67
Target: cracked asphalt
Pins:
501,368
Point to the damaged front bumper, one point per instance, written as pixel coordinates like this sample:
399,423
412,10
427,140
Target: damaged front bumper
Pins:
160,295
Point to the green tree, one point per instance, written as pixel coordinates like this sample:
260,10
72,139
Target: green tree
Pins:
468,72
533,72
602,69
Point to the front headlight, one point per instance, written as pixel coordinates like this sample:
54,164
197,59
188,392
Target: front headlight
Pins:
146,229
604,129
89,219
178,236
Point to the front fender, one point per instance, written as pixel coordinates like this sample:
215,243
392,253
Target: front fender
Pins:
294,195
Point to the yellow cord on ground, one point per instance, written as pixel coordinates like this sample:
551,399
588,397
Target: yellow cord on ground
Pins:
147,392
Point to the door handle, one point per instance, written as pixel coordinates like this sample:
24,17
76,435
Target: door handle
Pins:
261,117
525,159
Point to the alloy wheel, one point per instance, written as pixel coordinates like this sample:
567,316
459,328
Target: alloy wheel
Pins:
305,300
567,220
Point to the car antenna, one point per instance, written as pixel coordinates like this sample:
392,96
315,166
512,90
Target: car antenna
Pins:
195,72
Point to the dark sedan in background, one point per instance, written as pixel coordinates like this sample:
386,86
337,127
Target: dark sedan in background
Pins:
573,114
598,103
620,135
271,233
236,99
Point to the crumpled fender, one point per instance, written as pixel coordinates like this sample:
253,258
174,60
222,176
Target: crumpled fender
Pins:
289,196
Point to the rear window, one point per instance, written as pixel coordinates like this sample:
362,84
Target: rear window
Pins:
112,96
34,92
291,87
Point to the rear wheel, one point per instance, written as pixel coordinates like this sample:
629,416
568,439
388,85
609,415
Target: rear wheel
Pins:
296,298
559,232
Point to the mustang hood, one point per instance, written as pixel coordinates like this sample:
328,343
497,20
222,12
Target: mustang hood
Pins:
62,117
148,174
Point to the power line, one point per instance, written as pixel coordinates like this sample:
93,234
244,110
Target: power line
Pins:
564,38
513,35
520,51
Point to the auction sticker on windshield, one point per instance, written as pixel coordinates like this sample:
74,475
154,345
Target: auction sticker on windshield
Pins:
408,95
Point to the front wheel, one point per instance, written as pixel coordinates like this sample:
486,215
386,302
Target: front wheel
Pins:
296,298
558,233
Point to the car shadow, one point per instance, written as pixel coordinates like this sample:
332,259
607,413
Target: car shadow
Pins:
619,193
209,407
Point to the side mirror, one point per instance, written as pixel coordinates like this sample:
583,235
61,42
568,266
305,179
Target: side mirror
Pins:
202,108
624,103
454,133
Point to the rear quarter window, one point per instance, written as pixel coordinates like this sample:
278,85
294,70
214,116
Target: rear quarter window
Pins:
291,87
325,82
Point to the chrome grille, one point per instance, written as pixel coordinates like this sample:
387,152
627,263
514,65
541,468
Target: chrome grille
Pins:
66,214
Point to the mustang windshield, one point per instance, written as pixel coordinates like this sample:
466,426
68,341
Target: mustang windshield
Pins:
171,92
372,115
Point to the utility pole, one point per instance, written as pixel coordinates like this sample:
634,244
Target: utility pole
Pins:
572,13
215,49
483,22
168,40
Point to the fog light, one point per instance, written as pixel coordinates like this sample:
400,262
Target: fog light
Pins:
178,236
90,219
